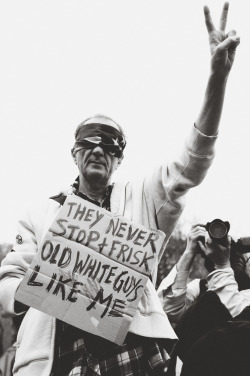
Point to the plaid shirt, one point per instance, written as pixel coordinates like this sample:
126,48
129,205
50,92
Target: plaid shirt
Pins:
79,353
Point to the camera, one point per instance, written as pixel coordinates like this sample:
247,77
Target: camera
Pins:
218,231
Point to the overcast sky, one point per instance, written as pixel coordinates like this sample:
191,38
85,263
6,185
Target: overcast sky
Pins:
144,63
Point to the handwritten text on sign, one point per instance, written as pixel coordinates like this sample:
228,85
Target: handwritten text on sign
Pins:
91,269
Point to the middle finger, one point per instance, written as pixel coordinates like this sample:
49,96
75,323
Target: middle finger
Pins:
223,19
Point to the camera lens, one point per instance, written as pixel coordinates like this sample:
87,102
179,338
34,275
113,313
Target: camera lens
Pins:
218,229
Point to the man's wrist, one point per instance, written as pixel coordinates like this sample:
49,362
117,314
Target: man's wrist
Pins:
219,77
190,252
222,265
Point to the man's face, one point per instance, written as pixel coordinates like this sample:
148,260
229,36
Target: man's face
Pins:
98,150
96,165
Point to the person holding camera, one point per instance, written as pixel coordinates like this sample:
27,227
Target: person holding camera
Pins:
207,313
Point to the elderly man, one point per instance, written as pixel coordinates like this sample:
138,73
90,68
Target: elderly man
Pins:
47,346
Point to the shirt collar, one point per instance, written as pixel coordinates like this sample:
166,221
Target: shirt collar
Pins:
106,200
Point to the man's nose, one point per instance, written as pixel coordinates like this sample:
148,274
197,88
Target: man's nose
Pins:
98,150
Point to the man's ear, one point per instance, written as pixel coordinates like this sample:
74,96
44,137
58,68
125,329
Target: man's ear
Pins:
74,155
119,161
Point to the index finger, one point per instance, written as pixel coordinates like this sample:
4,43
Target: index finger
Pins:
223,19
194,225
208,19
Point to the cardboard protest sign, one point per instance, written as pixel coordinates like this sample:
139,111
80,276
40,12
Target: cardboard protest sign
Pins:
91,269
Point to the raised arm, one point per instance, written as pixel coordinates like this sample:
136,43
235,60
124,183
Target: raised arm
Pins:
223,47
174,292
170,184
193,241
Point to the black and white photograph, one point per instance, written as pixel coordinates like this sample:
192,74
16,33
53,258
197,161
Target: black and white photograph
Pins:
124,226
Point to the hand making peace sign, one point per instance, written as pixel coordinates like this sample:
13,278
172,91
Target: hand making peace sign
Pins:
222,45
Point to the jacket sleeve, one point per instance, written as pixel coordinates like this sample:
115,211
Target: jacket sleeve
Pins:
169,183
177,295
16,263
223,283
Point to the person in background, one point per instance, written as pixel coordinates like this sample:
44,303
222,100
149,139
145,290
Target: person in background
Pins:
207,313
55,348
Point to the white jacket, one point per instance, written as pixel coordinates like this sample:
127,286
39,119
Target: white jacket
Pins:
156,201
